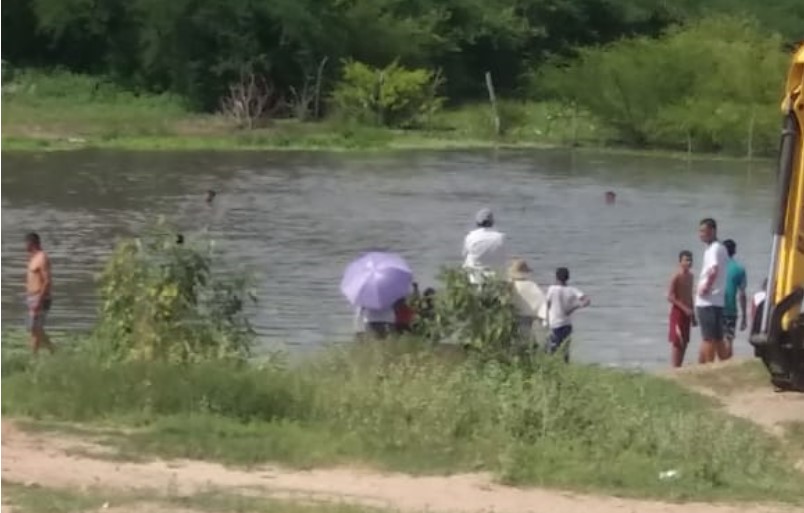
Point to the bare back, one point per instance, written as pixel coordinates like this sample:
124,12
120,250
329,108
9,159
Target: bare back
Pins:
37,280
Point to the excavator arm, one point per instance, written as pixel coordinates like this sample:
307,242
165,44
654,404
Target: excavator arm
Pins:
778,331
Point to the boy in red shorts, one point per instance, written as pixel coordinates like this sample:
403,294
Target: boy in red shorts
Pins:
682,314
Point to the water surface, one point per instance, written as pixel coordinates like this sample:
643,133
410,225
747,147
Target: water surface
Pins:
297,219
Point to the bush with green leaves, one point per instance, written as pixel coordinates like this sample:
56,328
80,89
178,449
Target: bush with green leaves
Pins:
163,299
481,318
392,96
712,85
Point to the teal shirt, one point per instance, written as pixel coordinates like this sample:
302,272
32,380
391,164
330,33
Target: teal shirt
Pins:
735,281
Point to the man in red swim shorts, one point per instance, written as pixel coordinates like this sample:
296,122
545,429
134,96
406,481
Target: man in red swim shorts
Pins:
682,314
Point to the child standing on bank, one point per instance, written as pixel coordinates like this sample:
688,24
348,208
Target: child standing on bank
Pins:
562,301
682,313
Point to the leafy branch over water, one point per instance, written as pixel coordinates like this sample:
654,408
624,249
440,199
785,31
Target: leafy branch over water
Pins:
165,300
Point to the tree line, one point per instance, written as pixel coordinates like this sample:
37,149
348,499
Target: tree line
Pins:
197,48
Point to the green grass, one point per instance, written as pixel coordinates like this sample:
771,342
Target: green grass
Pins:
63,111
732,378
409,409
38,499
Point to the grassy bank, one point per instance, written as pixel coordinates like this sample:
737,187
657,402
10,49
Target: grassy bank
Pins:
57,111
417,410
38,499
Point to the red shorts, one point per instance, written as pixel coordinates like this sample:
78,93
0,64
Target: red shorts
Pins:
679,330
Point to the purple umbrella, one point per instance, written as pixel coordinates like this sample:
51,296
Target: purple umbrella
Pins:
377,280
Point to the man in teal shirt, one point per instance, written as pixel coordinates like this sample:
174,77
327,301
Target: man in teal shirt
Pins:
735,289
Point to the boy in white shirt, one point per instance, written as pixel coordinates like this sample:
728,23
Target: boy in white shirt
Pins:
562,301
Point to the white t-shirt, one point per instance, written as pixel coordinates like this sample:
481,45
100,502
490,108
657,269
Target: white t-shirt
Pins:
528,298
484,253
715,255
759,297
561,301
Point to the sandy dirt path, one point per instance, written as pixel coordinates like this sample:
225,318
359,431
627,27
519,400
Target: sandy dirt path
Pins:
47,460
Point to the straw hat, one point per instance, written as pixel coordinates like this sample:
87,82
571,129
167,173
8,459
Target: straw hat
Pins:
519,270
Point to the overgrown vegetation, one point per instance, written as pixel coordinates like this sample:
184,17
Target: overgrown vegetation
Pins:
674,75
415,410
161,299
710,86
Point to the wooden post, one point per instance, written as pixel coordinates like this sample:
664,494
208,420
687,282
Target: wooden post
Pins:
751,136
689,145
316,109
495,115
380,81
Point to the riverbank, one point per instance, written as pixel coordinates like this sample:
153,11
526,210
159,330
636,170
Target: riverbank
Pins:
58,112
409,409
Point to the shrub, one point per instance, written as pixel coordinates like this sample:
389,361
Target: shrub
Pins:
714,84
163,300
392,96
481,318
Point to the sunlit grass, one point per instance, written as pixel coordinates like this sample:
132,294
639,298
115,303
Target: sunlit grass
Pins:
414,410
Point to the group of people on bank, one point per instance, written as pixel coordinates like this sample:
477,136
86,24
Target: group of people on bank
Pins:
717,303
485,257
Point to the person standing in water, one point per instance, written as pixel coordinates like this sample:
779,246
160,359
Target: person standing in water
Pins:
682,315
562,301
735,293
710,294
38,285
484,249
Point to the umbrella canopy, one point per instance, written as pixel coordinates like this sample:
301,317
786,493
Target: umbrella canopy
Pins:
377,280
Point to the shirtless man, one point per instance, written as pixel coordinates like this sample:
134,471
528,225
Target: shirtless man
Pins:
37,287
682,315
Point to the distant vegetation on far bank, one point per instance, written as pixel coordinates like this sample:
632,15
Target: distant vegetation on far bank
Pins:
645,74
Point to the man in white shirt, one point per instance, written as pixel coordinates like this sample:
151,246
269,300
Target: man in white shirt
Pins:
710,296
484,249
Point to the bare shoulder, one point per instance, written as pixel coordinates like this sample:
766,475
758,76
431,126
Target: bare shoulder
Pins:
40,260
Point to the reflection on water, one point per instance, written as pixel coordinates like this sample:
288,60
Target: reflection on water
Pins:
297,219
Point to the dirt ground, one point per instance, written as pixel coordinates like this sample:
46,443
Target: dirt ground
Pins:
50,460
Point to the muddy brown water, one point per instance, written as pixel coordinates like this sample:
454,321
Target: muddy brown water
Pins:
297,219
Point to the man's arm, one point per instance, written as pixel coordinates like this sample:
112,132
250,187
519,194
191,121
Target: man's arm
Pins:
44,273
710,280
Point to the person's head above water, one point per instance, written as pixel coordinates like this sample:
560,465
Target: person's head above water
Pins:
211,195
611,197
707,230
562,275
731,247
685,258
32,242
484,218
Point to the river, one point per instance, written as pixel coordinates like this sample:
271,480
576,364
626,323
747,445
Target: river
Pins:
297,219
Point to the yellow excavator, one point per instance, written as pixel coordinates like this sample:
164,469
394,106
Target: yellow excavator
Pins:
777,333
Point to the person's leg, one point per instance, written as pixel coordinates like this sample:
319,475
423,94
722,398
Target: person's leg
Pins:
707,319
678,336
729,330
719,343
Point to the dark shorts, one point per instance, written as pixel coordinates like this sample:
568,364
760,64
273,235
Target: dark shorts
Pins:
36,320
559,339
710,319
729,327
